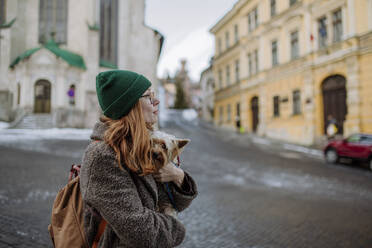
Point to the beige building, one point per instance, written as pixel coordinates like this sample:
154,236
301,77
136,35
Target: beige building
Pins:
286,66
52,50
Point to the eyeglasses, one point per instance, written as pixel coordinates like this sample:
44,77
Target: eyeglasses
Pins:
151,97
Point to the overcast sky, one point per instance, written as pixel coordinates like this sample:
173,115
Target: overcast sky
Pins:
185,25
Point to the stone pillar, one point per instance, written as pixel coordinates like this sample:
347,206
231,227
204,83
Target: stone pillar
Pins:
261,130
352,123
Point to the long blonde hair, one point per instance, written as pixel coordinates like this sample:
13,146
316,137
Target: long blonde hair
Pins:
130,139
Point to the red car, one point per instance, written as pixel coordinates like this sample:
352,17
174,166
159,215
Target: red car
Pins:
356,147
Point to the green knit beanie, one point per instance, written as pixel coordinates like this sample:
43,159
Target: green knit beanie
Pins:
118,91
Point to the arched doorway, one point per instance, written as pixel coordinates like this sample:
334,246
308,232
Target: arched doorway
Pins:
42,96
334,101
255,112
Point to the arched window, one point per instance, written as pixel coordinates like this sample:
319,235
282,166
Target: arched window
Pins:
53,21
108,31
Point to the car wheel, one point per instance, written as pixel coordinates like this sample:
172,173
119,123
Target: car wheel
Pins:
331,156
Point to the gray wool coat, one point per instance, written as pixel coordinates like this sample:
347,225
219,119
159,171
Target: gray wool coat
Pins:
127,201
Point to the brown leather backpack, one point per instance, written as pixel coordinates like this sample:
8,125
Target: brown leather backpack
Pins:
67,227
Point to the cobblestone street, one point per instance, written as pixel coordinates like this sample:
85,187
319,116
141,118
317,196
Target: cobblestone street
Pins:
251,194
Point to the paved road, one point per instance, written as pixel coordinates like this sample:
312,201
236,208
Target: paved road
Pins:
251,194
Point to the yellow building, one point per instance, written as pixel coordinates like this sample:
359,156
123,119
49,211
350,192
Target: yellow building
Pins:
283,67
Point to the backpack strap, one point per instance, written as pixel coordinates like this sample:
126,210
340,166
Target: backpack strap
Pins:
101,230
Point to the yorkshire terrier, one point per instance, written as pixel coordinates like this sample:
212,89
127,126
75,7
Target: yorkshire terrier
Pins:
164,150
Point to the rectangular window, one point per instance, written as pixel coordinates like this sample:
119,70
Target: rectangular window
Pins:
337,25
276,101
291,2
250,68
53,21
273,7
296,97
220,78
322,32
228,113
2,11
238,109
227,40
227,75
236,33
221,115
256,61
219,42
252,20
108,30
274,52
294,45
237,71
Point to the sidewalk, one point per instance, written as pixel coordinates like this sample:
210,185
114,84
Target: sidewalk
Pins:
249,138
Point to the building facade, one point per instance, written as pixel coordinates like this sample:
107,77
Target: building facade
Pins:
207,94
51,52
287,66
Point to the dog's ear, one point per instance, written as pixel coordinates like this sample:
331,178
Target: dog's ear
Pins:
182,142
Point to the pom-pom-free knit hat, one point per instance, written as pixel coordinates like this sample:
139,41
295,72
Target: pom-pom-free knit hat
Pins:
118,91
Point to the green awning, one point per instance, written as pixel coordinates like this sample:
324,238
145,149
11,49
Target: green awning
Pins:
7,25
104,63
71,58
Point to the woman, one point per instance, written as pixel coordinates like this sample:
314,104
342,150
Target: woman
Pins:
117,179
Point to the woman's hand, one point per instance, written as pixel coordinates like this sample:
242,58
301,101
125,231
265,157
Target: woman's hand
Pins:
170,173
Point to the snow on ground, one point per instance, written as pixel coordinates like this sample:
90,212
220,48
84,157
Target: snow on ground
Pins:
4,125
9,135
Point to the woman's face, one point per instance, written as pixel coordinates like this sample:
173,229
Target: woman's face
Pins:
149,104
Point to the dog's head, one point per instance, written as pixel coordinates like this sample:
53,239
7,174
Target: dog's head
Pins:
165,148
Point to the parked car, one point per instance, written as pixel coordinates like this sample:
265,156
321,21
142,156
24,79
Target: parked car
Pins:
357,147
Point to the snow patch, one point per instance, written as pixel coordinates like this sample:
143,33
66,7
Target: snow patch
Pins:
189,114
9,135
4,125
302,149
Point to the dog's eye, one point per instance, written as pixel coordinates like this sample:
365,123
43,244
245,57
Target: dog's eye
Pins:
163,146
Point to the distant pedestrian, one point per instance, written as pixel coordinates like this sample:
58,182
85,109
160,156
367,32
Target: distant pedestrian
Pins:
331,127
237,123
118,180
71,95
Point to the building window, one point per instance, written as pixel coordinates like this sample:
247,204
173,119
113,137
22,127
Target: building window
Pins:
250,69
237,76
53,21
291,2
252,20
227,75
220,78
296,97
2,11
276,101
228,113
221,115
294,45
108,31
274,52
227,38
273,7
337,25
236,33
256,61
219,45
322,32
18,93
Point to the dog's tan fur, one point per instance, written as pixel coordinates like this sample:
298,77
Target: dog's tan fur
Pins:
164,149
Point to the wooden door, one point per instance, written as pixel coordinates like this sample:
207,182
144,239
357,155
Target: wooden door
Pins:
255,112
334,101
42,97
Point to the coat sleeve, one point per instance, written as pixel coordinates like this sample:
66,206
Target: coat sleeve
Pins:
113,193
184,195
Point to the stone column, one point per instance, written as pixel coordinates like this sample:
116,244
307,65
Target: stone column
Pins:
308,107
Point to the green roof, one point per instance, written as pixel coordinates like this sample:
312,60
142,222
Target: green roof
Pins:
104,63
71,58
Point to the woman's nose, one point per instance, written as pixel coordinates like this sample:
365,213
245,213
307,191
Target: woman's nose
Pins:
156,102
